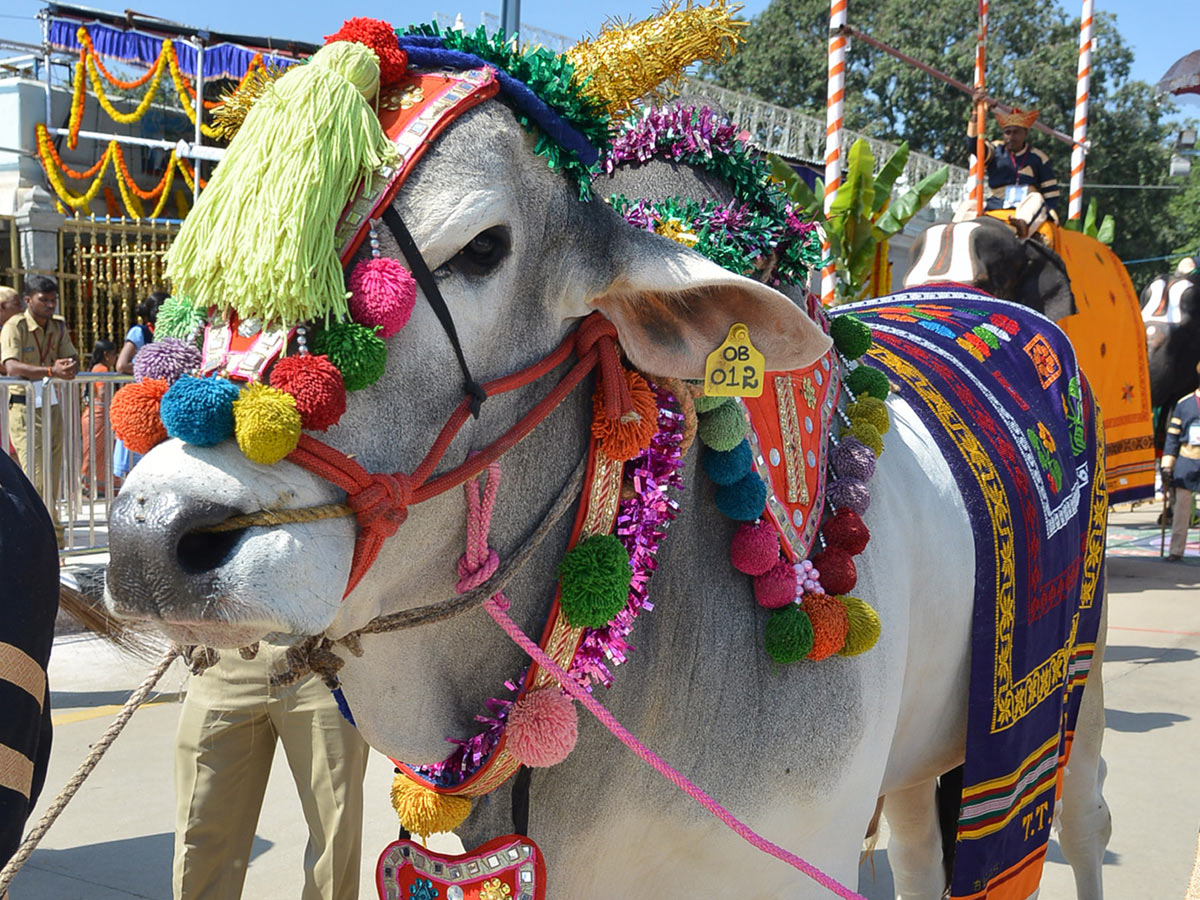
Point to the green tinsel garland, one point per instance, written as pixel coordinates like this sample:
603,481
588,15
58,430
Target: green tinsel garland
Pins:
548,75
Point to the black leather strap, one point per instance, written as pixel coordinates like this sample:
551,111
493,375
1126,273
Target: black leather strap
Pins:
520,801
425,280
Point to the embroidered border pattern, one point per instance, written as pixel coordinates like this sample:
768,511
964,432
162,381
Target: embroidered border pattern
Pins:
793,452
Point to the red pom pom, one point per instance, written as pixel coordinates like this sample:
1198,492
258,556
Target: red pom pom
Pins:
755,547
542,728
848,531
316,384
383,293
776,587
830,623
380,37
838,574
134,414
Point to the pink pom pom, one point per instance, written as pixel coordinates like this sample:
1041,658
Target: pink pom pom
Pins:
776,587
542,728
755,547
383,293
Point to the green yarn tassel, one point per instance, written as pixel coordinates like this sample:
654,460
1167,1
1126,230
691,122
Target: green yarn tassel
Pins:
723,428
865,380
178,317
867,434
261,238
705,403
865,627
594,577
789,634
851,336
357,351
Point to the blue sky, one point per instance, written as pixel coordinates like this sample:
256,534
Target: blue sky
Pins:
1156,29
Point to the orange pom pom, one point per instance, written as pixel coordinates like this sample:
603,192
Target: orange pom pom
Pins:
622,440
830,624
134,414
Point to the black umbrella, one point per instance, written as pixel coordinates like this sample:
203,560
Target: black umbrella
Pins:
1183,77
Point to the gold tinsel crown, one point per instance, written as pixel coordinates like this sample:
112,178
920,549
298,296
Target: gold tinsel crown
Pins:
629,61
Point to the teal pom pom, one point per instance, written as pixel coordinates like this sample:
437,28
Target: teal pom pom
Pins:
594,577
744,500
705,404
727,466
356,351
178,318
199,410
869,382
723,428
850,336
789,634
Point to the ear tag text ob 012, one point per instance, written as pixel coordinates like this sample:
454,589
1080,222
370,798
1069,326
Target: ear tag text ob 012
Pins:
736,368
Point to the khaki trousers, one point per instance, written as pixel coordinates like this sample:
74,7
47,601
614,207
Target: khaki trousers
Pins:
1181,520
228,727
18,425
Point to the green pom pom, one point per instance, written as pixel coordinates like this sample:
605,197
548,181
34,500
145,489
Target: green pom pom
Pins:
789,634
872,410
356,351
594,577
868,434
705,404
864,627
723,428
866,381
850,336
178,317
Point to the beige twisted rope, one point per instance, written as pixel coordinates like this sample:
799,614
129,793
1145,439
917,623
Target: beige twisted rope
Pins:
1193,891
282,517
9,872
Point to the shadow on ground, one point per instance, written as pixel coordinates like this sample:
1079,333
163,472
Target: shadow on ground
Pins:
88,699
1135,654
140,865
1054,854
1140,722
1134,574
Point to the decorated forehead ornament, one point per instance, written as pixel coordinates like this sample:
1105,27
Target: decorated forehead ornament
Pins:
317,153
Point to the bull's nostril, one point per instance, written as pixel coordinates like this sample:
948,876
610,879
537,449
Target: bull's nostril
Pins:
203,551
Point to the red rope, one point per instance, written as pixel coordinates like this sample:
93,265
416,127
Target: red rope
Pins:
381,501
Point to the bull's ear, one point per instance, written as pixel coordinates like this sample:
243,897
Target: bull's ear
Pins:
672,307
1045,285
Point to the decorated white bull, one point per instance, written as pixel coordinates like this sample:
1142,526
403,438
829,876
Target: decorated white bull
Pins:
241,526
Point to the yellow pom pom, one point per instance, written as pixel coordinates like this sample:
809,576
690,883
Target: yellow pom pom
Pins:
424,811
865,627
867,433
266,423
357,63
870,409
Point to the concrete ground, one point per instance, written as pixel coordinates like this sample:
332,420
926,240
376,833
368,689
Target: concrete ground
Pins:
114,841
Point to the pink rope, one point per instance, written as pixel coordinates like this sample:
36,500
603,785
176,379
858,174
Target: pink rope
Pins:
480,561
496,607
477,565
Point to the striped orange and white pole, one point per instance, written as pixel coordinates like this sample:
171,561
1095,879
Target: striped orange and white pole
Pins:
1078,152
833,130
979,170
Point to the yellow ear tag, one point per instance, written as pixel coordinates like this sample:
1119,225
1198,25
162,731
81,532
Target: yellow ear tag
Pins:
735,369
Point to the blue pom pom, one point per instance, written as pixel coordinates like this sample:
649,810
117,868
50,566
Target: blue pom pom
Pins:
199,410
743,501
727,466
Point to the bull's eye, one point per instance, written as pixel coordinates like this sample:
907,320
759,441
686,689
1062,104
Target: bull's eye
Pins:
481,255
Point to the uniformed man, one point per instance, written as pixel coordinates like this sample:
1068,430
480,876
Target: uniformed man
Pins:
1181,467
1014,168
35,345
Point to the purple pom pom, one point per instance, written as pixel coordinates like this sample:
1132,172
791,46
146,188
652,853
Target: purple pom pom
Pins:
849,493
383,293
166,359
853,459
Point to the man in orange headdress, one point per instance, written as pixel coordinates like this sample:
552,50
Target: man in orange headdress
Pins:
1014,168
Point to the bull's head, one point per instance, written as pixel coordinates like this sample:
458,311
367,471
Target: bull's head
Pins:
519,260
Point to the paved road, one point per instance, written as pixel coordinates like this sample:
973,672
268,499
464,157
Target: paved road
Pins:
114,841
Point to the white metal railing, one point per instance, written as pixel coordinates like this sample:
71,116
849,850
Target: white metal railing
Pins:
81,510
790,132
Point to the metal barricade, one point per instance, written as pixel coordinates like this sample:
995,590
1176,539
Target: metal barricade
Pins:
80,506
